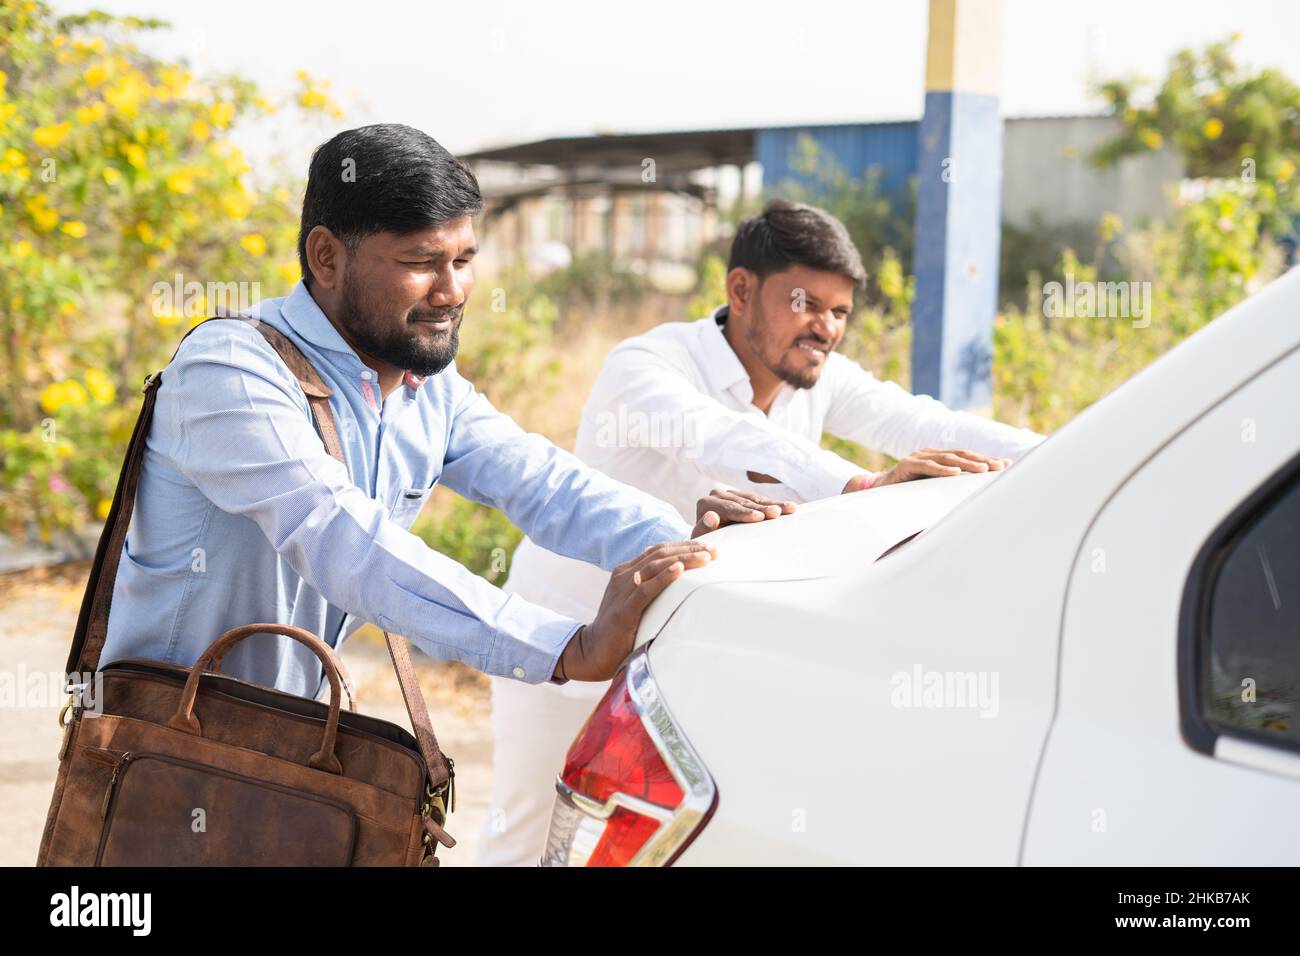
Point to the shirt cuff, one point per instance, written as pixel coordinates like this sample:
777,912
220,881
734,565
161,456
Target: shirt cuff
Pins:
528,642
835,474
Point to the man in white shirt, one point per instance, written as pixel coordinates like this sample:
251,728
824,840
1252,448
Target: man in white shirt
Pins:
739,400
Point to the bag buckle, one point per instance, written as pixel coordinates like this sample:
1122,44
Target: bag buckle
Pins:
443,798
73,704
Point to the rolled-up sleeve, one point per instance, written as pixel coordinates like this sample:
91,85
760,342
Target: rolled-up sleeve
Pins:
245,439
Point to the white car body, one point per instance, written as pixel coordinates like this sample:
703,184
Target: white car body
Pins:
789,663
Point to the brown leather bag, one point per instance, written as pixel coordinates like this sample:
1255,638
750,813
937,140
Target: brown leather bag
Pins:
174,765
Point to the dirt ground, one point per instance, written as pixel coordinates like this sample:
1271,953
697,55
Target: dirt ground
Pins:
38,612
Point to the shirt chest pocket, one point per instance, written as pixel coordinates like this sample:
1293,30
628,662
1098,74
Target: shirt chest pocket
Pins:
407,507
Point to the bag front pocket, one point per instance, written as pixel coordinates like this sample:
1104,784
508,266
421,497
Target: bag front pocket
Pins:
161,810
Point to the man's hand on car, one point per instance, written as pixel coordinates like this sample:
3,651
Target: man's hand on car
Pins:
597,649
722,507
929,463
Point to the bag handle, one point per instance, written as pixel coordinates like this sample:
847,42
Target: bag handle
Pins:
210,661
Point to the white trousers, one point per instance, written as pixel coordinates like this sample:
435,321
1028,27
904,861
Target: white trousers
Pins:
532,728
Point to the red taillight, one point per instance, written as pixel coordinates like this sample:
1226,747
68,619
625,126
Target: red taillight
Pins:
632,792
613,753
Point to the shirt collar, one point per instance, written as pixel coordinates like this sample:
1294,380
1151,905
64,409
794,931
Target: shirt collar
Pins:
721,365
307,319
723,369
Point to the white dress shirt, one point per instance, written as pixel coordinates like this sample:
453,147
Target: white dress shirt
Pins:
672,413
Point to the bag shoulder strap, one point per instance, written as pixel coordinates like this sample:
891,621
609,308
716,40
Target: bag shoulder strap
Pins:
92,622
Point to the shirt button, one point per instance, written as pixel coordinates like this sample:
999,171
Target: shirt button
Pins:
365,376
519,672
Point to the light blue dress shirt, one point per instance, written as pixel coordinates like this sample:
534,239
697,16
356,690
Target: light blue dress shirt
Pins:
242,516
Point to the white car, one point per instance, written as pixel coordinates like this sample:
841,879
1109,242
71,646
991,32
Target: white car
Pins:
1090,658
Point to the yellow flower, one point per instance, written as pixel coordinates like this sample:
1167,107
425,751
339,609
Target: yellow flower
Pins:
75,228
12,160
63,449
90,114
1152,139
103,508
254,244
125,95
175,79
312,99
67,307
22,249
51,136
289,271
182,183
236,206
1213,128
100,385
1285,170
112,176
68,392
135,155
222,113
95,75
145,232
200,130
38,207
1109,226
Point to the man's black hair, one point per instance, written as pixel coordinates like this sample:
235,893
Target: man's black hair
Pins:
383,178
788,233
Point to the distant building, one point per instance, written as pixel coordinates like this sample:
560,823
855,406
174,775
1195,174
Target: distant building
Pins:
652,198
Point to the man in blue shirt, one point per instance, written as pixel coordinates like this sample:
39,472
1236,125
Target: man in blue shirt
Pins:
242,515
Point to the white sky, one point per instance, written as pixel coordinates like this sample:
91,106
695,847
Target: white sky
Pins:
489,72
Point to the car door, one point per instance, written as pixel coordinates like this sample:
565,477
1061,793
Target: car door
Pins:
1183,598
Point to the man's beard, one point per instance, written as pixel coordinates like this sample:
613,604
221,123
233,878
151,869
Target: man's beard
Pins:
759,342
399,346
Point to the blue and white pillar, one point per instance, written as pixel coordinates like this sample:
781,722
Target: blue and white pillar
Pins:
958,206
